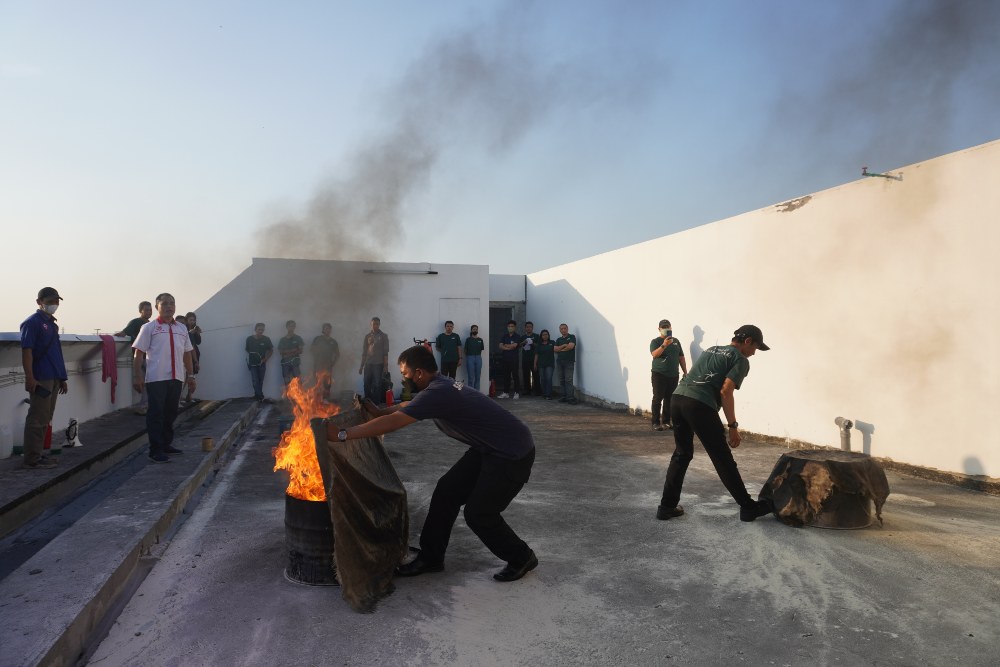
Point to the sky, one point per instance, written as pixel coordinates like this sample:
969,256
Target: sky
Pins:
159,146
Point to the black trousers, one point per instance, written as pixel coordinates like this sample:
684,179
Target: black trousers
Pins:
161,412
692,417
529,375
485,484
663,390
510,382
449,368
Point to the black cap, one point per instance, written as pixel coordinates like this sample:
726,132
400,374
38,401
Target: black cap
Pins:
48,293
750,331
664,323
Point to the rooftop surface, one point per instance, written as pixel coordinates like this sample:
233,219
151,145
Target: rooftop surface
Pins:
614,585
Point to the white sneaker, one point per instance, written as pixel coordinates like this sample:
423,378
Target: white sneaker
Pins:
516,396
503,395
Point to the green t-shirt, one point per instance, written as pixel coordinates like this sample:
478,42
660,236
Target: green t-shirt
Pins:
704,381
474,346
528,349
132,328
325,350
288,345
257,349
667,363
447,345
546,354
568,355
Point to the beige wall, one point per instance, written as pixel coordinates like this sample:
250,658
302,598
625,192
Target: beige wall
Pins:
877,297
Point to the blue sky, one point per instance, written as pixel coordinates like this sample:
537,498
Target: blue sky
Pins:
158,146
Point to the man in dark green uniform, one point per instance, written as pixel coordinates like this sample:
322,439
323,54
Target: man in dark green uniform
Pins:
131,330
259,349
668,355
565,363
290,348
449,344
710,385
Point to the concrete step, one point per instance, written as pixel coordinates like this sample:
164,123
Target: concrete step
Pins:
52,605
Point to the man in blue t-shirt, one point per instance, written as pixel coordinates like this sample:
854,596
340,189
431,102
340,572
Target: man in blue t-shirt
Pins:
694,410
44,375
485,480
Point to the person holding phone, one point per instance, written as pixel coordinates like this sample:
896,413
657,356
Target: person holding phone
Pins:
44,375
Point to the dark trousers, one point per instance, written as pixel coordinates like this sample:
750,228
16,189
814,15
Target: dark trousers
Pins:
663,390
373,383
692,417
449,368
161,413
291,368
257,379
485,484
510,382
529,374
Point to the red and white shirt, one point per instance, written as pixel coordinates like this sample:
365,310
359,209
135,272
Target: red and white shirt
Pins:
164,345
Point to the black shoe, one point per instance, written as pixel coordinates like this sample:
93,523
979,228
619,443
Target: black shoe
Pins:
571,401
514,572
664,513
563,399
657,427
159,458
418,566
756,510
172,450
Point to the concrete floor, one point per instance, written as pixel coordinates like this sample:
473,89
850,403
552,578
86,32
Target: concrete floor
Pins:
615,586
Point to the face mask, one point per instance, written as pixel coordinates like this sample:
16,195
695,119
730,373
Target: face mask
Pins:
665,332
409,385
52,308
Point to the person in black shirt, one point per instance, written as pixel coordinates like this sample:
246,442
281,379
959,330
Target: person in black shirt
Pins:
485,480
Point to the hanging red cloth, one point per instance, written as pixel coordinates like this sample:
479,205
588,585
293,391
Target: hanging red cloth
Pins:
109,362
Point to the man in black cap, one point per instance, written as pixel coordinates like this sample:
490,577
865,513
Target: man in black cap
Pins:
667,355
710,385
44,375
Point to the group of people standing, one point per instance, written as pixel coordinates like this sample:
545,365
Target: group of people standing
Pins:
259,348
540,359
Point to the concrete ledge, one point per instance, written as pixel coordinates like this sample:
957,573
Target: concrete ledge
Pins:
51,606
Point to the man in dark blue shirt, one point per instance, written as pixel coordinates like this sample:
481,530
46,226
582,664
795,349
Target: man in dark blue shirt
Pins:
44,375
485,480
510,342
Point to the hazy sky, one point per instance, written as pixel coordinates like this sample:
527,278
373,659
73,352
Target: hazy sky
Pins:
158,146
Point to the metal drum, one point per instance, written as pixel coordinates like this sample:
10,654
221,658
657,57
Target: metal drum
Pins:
309,538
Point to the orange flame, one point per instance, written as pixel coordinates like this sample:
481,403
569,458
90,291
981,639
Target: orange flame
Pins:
296,452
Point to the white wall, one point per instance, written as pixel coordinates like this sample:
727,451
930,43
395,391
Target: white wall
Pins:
410,302
507,288
88,396
877,298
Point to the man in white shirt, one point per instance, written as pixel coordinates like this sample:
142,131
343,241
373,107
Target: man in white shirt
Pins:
165,347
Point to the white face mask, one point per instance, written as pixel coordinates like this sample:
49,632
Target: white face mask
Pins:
51,308
665,332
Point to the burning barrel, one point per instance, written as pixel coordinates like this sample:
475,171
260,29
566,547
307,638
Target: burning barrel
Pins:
309,539
308,524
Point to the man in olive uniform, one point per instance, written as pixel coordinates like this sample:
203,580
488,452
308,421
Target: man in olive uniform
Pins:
710,385
449,344
668,355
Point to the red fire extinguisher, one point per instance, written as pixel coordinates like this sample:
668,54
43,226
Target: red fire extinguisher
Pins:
493,388
388,398
48,437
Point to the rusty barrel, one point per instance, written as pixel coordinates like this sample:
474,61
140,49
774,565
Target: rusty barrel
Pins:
309,538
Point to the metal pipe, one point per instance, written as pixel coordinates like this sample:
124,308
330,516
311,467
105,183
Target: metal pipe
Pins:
845,426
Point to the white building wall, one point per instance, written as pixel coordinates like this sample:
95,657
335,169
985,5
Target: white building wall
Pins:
877,298
411,302
88,396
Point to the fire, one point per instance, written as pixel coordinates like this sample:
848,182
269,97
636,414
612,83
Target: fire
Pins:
296,452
